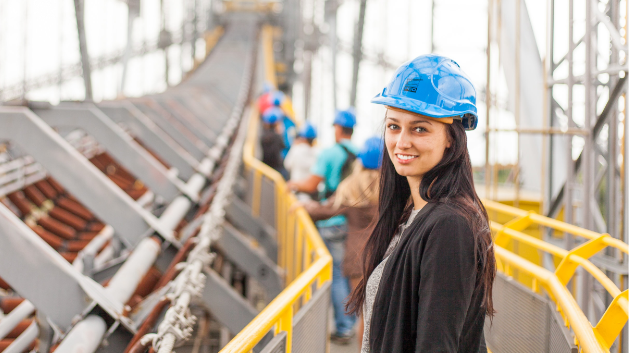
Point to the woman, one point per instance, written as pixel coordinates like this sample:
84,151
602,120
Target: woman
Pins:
357,198
429,264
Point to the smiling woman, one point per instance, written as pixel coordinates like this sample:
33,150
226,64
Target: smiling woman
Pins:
431,247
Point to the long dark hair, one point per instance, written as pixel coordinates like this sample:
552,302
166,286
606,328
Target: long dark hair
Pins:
450,182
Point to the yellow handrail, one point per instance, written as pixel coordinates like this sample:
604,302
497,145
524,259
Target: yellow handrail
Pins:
612,322
301,251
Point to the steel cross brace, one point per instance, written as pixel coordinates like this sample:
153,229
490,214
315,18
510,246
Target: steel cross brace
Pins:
39,274
88,184
152,136
252,260
228,306
122,147
239,214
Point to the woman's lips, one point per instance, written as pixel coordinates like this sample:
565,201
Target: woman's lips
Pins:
405,158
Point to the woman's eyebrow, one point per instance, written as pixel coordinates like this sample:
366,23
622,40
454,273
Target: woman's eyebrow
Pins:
421,121
394,119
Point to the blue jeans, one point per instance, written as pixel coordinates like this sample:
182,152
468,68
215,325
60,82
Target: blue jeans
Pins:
334,239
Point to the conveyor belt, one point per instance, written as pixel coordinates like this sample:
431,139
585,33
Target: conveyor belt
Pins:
101,201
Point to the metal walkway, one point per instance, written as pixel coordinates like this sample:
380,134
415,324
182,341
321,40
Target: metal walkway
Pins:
150,223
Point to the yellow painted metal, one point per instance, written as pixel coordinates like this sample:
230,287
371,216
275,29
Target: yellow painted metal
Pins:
269,58
614,319
301,251
612,322
588,340
251,6
212,37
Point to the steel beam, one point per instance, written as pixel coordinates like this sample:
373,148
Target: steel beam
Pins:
121,146
189,120
43,277
79,6
88,184
239,214
357,51
152,136
225,304
250,259
198,151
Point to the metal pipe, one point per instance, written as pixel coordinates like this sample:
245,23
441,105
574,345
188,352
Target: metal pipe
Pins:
19,313
490,9
125,281
85,59
24,340
584,284
91,249
175,212
85,337
107,254
546,131
518,28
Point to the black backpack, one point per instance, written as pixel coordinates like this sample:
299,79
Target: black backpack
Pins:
346,169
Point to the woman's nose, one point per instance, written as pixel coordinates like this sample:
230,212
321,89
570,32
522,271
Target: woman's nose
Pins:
404,140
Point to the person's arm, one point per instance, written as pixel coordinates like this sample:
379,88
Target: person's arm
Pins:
319,211
448,278
309,185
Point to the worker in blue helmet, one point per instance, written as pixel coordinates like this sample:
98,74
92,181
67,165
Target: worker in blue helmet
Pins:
332,166
301,157
430,263
357,199
271,140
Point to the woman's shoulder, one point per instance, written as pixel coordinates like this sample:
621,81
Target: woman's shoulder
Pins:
446,222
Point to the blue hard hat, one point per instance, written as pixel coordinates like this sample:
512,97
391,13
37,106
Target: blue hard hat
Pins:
371,153
277,98
308,131
267,87
434,86
272,115
345,118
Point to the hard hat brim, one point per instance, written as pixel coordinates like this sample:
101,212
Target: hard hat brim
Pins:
427,109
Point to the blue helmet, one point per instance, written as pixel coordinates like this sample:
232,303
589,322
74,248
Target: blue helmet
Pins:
277,98
267,87
371,153
345,118
272,115
434,86
308,131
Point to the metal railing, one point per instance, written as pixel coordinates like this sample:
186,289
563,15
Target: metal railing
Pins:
591,339
301,253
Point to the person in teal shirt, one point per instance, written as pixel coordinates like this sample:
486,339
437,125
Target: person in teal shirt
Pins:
332,165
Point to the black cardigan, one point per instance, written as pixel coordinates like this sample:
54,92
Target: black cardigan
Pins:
428,300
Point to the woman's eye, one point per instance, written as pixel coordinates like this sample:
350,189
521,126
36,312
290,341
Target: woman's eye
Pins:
392,127
419,129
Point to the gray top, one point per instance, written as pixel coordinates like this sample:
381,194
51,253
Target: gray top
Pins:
374,281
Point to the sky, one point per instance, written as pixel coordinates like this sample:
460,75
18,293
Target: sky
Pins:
400,29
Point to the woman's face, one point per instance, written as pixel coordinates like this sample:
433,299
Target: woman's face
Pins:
415,144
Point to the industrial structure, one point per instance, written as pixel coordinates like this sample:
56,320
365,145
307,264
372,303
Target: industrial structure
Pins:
143,220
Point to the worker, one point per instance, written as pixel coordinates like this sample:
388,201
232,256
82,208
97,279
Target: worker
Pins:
264,100
357,199
287,126
271,141
429,263
301,157
332,166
